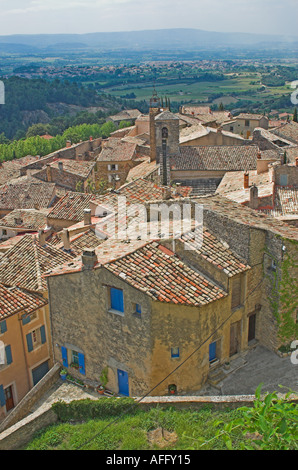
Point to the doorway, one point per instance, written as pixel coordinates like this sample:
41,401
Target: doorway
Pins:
9,398
123,382
235,338
251,327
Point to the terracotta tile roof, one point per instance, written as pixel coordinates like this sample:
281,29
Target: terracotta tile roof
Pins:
232,185
25,219
126,114
78,168
12,168
15,300
288,131
27,193
162,275
250,116
26,262
143,169
286,200
225,158
78,242
71,206
215,252
246,216
116,150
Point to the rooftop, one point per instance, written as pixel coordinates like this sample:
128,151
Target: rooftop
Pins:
161,274
14,300
215,251
288,131
26,193
71,206
25,219
250,116
221,158
116,150
24,264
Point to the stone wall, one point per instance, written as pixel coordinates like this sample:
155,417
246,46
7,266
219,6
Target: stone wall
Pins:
32,397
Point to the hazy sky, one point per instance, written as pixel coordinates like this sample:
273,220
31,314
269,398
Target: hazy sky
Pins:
83,16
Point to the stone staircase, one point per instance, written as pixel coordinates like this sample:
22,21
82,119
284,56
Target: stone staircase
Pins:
217,375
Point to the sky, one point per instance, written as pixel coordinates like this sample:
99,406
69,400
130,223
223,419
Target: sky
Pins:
88,16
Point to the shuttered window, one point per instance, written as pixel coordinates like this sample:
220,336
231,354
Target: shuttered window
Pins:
116,299
3,327
2,396
8,354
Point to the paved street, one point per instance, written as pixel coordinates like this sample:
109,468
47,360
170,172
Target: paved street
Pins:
260,366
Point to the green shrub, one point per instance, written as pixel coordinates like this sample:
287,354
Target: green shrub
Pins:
84,410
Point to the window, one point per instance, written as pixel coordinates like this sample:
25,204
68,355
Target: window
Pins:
175,352
212,352
3,327
231,128
164,133
283,180
4,232
116,300
75,358
138,309
36,338
246,123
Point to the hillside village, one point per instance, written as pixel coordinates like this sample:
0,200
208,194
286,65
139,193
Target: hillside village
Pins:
84,284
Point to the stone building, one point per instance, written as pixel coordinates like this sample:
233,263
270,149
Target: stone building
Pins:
195,305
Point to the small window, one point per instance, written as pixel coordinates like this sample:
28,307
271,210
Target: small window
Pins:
246,123
3,327
4,232
138,309
283,180
175,352
231,128
75,358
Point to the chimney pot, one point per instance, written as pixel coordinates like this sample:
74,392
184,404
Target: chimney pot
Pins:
60,166
89,258
68,143
296,161
65,238
246,180
87,216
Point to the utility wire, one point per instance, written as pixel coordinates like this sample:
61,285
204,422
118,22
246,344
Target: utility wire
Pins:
165,378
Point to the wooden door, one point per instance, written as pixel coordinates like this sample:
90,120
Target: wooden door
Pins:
234,338
9,398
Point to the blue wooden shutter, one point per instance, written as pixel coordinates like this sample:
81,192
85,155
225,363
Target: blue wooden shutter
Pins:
29,342
43,334
8,354
82,363
64,356
3,326
26,319
212,351
2,396
117,299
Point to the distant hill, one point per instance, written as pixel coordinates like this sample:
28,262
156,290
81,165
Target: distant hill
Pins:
166,39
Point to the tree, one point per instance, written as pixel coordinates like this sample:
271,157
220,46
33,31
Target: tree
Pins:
221,107
295,118
37,129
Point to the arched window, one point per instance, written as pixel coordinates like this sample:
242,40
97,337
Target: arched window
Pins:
164,133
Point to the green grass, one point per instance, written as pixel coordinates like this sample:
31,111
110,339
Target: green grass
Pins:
131,431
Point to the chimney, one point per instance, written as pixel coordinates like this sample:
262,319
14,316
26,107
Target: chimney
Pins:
296,161
262,165
166,192
89,258
68,143
90,138
87,216
65,239
42,237
60,166
246,180
253,197
49,173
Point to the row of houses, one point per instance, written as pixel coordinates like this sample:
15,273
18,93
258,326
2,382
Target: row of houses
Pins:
157,305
